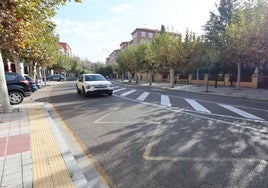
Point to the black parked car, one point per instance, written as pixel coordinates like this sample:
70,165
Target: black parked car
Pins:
18,87
31,82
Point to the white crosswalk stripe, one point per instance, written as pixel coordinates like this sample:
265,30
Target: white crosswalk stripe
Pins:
197,106
127,93
118,90
143,96
165,100
240,112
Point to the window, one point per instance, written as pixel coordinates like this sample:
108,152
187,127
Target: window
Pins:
10,76
151,35
143,34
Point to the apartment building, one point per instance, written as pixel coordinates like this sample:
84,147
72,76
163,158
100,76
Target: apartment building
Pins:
142,35
125,44
112,58
138,35
65,49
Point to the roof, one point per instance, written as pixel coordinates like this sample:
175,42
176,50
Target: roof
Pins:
144,29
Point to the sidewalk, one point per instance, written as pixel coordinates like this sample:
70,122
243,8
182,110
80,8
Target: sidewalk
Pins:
33,152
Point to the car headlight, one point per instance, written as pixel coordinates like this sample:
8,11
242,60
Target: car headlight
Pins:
88,86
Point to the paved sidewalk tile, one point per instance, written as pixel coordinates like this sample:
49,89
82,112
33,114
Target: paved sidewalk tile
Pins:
49,168
15,154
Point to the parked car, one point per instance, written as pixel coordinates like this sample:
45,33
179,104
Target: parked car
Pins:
55,77
93,84
18,87
31,82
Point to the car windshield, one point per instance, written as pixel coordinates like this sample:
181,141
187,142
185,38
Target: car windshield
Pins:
94,78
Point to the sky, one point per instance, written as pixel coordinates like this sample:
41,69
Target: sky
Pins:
95,28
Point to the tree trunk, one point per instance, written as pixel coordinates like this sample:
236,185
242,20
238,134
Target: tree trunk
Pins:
122,76
35,71
171,73
31,71
4,97
136,78
40,74
18,65
238,75
129,76
197,77
150,77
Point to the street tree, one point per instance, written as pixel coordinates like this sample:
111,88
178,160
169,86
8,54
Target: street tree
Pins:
131,61
200,57
122,61
150,62
168,52
141,53
188,51
218,21
15,27
245,34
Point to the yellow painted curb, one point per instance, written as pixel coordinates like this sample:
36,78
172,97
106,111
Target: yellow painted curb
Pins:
49,168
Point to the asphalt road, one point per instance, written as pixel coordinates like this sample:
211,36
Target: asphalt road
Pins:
150,137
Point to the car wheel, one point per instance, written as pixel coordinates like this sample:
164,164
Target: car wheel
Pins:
78,91
84,92
15,97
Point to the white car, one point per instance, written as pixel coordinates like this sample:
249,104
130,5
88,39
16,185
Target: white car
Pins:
93,84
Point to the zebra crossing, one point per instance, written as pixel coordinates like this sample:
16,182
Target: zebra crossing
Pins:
197,106
193,104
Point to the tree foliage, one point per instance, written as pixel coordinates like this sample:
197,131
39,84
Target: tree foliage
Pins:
26,32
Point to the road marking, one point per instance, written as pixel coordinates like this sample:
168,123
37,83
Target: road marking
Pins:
193,113
240,112
118,90
197,106
154,141
127,93
189,112
143,96
165,100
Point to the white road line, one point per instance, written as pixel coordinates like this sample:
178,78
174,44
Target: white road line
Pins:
118,90
127,93
143,96
190,113
240,112
197,106
165,100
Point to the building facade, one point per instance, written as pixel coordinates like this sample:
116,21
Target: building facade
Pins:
112,58
142,35
65,49
138,35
